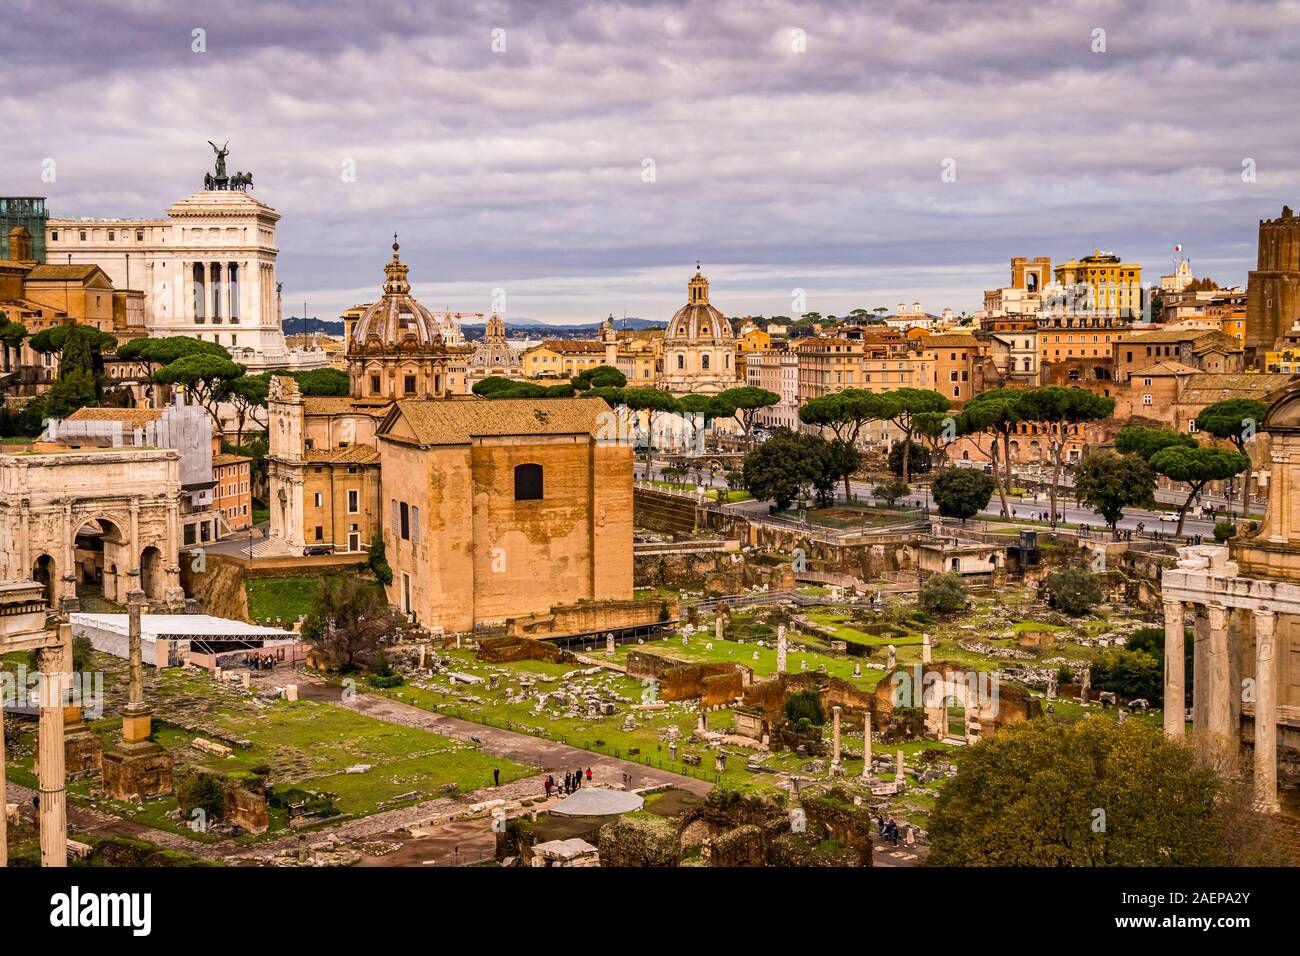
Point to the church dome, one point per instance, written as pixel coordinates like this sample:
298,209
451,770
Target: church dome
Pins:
398,322
697,322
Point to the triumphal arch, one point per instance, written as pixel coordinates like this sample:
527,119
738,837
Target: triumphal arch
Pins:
104,519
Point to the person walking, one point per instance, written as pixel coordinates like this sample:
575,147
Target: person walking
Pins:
496,776
588,775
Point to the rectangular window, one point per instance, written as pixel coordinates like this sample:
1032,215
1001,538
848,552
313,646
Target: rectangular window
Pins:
354,501
320,533
393,519
406,522
415,525
319,499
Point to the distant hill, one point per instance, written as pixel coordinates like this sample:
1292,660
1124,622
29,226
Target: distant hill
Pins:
293,325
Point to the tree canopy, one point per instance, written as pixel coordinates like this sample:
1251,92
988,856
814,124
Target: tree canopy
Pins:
1196,467
1088,793
1237,420
961,492
1144,442
600,376
1108,483
900,406
743,404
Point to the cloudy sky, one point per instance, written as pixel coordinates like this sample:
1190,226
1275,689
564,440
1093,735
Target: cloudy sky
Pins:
583,156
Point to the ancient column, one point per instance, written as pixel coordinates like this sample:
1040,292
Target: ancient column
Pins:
1175,658
53,810
138,767
866,746
925,648
135,694
1220,710
1085,684
780,648
1200,670
1265,713
898,768
835,731
717,628
893,658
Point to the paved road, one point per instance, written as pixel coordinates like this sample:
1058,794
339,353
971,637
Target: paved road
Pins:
1024,508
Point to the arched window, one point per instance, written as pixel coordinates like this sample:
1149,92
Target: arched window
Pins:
528,482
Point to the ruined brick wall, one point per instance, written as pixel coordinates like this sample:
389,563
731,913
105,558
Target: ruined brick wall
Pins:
711,572
505,650
743,846
713,683
564,620
722,689
847,824
639,841
771,695
660,511
806,850
643,664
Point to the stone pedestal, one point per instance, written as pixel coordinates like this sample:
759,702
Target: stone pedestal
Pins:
83,749
137,771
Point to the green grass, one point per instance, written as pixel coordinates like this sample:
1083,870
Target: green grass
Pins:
285,598
307,744
1023,626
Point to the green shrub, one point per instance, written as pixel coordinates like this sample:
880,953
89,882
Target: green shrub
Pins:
1224,530
378,562
942,594
1073,590
805,705
202,791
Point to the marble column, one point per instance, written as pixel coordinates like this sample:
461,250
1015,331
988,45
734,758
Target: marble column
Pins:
1219,715
1265,712
866,746
136,718
717,628
780,648
893,659
898,769
835,731
1175,680
1238,638
925,648
1200,670
53,810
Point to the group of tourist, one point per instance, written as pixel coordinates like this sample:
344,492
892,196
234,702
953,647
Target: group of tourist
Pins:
260,662
888,829
572,781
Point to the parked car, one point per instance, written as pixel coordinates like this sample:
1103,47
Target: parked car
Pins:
317,550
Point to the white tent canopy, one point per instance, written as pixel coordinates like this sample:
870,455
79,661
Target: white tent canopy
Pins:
598,802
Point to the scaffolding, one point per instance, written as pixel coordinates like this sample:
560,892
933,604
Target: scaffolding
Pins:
26,211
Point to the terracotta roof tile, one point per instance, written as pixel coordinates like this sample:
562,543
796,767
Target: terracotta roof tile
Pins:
458,423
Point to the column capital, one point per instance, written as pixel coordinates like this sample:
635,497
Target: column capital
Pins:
1218,615
1264,620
